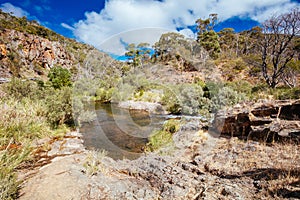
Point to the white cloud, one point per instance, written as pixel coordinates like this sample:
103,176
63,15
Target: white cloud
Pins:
67,26
17,11
123,15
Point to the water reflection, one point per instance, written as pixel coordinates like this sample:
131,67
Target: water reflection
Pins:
121,132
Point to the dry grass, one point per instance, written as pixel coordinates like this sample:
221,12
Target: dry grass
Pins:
93,163
274,168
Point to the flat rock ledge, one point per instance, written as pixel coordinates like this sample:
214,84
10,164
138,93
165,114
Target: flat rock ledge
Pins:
198,166
267,120
154,108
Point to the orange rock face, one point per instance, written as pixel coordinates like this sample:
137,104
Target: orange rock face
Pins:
31,53
3,51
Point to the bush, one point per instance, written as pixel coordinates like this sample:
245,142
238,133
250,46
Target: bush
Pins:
59,77
104,95
241,87
171,126
191,98
286,93
9,161
21,121
171,100
59,107
163,137
185,99
18,89
227,97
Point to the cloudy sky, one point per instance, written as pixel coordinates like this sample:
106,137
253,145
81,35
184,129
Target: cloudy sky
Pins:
95,21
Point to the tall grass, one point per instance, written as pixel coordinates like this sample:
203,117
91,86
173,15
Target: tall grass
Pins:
27,114
21,122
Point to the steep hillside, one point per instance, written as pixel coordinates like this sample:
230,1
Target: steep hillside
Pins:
30,50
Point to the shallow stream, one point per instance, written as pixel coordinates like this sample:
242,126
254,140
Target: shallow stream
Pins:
122,133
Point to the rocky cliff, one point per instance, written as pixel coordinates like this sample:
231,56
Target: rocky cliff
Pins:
27,54
30,50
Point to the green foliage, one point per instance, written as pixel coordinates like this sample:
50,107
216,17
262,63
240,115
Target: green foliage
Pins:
18,88
207,37
163,137
185,99
104,94
287,93
59,77
59,107
175,49
191,98
171,126
226,97
21,122
31,27
235,64
171,101
210,42
9,161
243,87
138,54
261,91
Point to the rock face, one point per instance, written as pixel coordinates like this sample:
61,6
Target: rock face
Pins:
270,120
22,53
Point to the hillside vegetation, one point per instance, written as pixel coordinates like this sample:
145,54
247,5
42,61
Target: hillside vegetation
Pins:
185,76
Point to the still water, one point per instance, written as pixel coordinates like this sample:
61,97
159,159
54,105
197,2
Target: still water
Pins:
122,133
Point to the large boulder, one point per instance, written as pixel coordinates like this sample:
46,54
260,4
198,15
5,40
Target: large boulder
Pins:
269,120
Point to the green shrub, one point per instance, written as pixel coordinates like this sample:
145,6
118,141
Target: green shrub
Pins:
153,96
227,97
291,93
104,94
171,100
171,126
185,99
21,122
235,64
241,87
286,93
18,89
159,139
163,137
259,87
191,96
59,107
59,77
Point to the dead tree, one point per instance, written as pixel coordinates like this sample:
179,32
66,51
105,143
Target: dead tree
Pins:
277,45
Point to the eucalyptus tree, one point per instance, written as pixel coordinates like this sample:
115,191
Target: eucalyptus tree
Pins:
207,37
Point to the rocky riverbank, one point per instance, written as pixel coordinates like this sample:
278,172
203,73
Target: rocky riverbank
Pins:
196,166
154,108
264,120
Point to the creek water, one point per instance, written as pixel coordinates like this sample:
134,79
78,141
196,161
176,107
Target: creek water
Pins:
121,132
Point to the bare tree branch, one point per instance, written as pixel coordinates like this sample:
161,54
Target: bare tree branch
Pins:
277,45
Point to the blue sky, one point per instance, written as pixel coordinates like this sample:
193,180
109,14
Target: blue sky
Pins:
94,21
